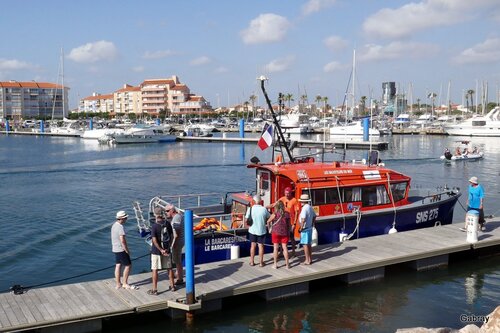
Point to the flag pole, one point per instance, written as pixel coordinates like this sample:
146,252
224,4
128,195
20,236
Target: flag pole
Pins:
275,120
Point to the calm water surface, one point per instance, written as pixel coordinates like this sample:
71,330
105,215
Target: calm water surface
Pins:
58,197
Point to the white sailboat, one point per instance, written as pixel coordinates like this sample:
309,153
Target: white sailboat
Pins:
349,127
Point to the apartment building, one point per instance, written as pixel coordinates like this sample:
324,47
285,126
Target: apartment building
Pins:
26,100
127,100
97,103
150,98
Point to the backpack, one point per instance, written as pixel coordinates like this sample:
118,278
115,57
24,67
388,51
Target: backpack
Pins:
167,234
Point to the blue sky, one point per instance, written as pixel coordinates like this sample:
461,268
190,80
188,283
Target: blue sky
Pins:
218,48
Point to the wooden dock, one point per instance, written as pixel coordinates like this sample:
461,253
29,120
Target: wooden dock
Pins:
82,306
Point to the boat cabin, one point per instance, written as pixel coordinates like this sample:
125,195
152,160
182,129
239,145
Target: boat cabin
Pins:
334,188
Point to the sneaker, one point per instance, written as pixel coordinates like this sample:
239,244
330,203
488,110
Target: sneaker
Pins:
483,228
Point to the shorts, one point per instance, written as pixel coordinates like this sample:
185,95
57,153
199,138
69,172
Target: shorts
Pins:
161,262
257,239
306,236
278,239
122,258
177,255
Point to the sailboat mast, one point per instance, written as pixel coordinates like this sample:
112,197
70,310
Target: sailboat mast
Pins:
353,79
62,83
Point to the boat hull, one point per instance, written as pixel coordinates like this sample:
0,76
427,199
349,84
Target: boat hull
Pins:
214,246
468,157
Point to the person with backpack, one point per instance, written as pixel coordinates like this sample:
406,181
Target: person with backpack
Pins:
161,253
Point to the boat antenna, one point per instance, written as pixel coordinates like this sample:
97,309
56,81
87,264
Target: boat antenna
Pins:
281,137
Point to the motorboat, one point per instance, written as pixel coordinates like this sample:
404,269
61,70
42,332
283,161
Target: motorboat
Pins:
463,152
354,128
352,199
296,123
98,131
139,134
68,127
488,125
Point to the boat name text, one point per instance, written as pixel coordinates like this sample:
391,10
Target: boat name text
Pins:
427,215
336,172
223,243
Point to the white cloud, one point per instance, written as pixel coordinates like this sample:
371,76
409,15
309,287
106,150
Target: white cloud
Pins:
313,6
333,66
266,28
280,65
203,60
221,69
416,16
158,54
138,69
94,52
485,52
14,64
335,43
396,50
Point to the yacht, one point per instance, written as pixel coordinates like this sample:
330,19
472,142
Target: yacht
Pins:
354,128
296,123
488,125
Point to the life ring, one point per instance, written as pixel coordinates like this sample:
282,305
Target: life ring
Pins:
237,220
209,223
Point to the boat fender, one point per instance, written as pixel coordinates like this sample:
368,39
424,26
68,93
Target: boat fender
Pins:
393,230
314,237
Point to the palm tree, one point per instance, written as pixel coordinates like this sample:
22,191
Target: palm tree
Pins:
325,101
418,104
252,99
303,99
288,98
471,93
362,102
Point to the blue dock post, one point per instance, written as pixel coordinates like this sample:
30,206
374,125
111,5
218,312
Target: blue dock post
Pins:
366,128
7,125
189,256
91,124
42,129
242,128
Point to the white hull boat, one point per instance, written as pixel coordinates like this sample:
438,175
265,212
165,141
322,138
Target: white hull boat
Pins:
488,126
463,157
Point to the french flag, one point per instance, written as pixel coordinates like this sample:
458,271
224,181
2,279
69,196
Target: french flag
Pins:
266,138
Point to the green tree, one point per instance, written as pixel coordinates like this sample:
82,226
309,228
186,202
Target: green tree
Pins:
471,93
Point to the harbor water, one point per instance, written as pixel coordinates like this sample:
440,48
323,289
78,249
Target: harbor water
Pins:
59,197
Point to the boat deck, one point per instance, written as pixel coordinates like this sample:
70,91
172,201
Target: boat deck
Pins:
88,302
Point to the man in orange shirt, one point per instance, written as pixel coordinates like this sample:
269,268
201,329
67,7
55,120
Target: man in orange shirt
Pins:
293,208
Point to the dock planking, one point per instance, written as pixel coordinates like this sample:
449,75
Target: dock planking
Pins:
87,301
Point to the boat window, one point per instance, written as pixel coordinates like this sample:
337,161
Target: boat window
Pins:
324,196
264,181
478,123
374,195
398,191
352,194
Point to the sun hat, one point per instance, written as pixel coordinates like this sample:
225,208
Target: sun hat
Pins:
473,180
121,215
304,198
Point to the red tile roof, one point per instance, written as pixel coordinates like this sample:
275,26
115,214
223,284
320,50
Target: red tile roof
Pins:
29,84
